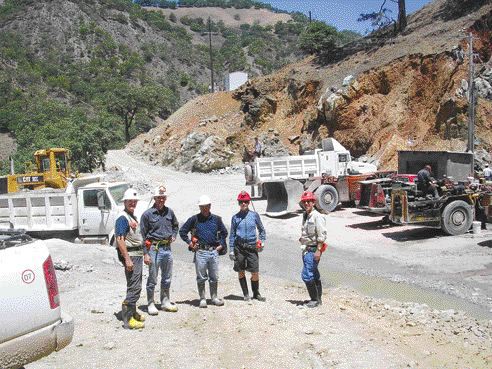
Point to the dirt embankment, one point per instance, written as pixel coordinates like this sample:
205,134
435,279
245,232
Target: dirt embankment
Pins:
407,93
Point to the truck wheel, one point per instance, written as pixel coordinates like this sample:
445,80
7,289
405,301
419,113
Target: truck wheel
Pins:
326,198
456,218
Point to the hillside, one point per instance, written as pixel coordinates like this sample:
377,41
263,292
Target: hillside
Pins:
90,75
230,16
407,92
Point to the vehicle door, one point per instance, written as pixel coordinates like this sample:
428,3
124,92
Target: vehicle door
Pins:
95,215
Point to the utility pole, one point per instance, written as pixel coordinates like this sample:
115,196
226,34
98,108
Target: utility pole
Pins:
471,97
310,18
211,55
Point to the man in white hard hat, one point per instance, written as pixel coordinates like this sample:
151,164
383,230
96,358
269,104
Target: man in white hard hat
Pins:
130,253
208,241
159,228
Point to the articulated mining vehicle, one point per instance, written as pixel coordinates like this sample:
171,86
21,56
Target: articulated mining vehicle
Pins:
329,172
454,209
52,170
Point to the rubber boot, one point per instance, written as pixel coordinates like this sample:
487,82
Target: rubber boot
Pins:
201,293
166,303
139,317
213,294
256,293
244,287
313,294
125,315
151,309
319,291
129,322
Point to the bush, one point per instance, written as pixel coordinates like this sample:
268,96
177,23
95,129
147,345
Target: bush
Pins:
318,38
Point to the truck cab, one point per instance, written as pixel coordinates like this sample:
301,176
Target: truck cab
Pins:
99,204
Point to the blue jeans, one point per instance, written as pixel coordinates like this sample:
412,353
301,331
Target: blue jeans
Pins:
161,259
207,266
310,272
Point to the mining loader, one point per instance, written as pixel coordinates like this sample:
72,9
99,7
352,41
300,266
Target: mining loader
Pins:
329,172
52,170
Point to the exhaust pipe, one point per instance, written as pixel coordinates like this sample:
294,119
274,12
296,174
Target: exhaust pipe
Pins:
12,171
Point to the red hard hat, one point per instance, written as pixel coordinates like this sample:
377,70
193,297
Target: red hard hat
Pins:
307,196
243,196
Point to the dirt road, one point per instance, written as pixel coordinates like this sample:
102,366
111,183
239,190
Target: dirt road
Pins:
352,329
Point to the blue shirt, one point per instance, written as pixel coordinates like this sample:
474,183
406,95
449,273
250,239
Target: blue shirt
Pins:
121,227
243,228
209,230
158,225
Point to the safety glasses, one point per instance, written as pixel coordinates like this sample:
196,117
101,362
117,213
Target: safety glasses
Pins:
243,202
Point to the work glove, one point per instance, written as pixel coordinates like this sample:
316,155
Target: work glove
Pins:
232,256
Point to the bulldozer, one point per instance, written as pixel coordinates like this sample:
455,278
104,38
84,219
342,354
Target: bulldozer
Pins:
52,169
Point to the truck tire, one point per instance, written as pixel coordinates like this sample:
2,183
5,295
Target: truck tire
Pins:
456,218
326,198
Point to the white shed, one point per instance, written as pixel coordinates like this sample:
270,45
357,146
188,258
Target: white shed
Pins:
235,80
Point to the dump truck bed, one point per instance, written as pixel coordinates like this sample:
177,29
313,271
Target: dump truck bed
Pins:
39,211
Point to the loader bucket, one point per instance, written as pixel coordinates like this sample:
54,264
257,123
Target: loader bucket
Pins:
282,197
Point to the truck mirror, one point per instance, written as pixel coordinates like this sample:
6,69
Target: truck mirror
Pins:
100,201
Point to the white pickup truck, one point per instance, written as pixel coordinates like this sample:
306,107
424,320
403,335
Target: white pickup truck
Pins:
87,209
33,325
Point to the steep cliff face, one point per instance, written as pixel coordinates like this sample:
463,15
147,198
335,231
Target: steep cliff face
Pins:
404,92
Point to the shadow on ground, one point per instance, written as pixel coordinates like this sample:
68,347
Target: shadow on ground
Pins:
297,302
485,244
421,233
374,225
368,214
234,298
286,216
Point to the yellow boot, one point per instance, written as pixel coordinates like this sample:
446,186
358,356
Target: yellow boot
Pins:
135,324
138,317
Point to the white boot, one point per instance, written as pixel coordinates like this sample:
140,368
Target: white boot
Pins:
151,309
166,303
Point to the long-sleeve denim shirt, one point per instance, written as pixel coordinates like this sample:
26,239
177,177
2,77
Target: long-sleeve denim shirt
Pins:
209,230
158,225
243,228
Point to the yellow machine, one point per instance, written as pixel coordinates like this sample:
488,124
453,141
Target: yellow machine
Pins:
52,170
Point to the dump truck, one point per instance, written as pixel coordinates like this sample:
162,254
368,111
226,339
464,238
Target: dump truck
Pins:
52,169
87,209
329,172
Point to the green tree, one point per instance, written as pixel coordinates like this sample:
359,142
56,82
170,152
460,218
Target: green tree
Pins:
318,38
126,101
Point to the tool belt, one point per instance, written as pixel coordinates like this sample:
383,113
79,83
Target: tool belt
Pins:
311,248
246,246
207,247
161,244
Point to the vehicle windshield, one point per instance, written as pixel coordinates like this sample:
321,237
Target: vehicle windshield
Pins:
117,192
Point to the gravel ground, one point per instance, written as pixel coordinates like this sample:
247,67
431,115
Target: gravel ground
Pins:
397,296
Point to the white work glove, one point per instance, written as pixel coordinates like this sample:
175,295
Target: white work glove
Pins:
232,256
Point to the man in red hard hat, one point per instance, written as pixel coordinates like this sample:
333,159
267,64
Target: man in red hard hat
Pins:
312,239
245,245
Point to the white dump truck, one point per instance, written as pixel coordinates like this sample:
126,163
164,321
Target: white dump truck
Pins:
86,209
328,172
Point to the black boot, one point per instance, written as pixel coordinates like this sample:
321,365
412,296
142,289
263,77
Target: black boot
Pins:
313,294
244,287
319,290
256,293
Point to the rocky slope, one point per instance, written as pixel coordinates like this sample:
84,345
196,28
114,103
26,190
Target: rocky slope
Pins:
407,92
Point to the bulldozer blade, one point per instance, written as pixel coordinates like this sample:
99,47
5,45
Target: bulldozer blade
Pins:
282,197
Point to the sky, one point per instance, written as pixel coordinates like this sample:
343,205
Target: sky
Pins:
343,14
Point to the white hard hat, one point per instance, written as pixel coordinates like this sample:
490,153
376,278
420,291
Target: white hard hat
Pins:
204,200
160,191
130,194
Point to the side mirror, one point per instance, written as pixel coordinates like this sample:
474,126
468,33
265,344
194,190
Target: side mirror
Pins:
101,204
